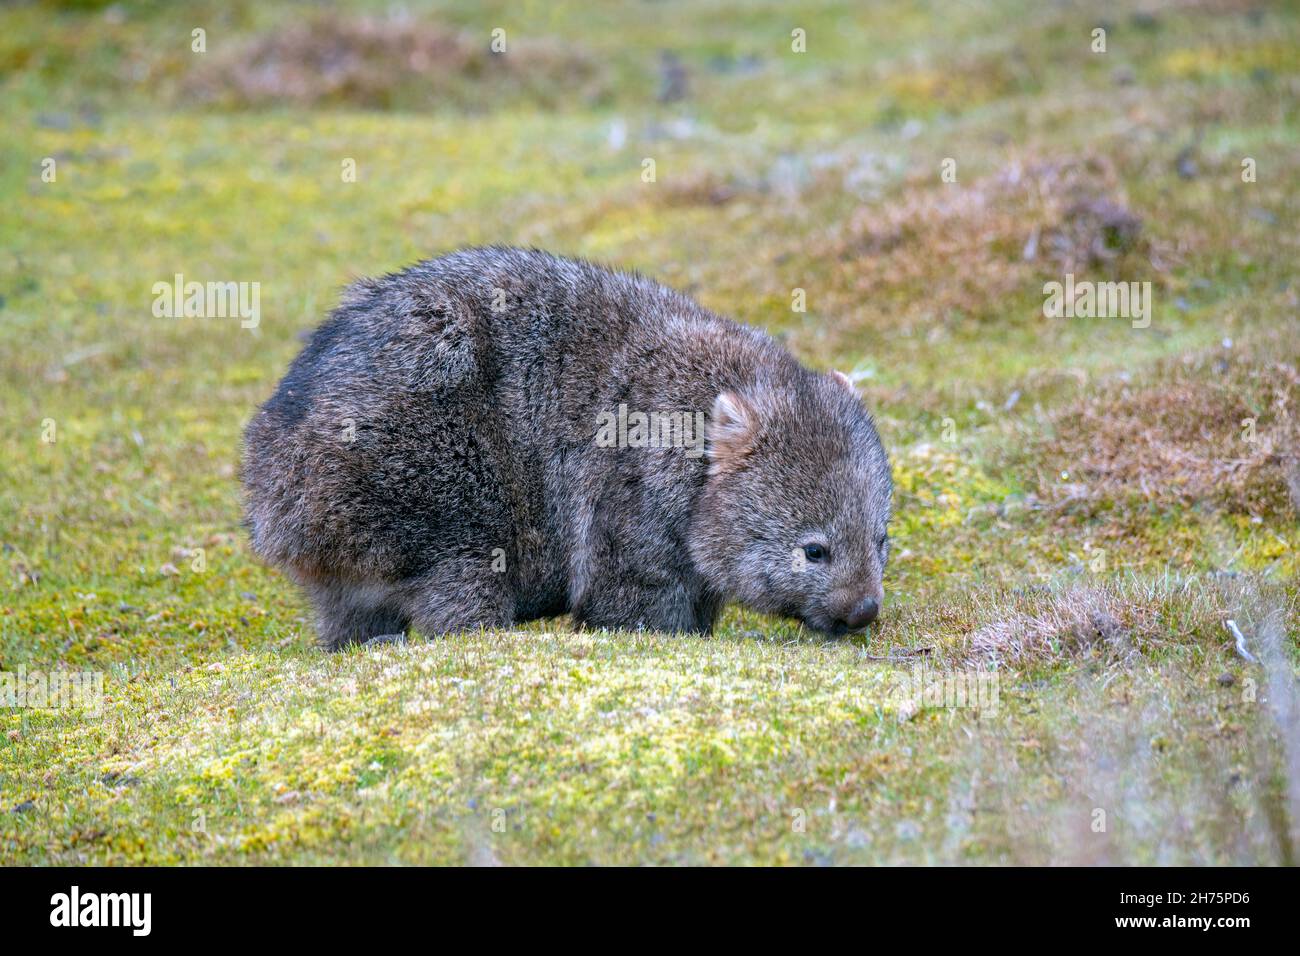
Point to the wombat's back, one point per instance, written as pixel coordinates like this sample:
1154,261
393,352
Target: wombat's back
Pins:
449,400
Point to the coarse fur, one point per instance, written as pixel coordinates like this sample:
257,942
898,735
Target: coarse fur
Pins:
430,460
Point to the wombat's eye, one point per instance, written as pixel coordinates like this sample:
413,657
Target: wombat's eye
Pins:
814,552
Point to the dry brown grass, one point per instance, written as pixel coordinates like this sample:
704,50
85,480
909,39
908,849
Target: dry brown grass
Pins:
1107,618
703,188
1111,619
1114,618
384,62
1184,436
969,247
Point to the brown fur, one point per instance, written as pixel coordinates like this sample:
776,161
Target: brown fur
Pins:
431,459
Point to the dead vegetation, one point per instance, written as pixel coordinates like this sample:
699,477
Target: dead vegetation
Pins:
1084,616
390,62
1217,429
970,247
704,188
1111,619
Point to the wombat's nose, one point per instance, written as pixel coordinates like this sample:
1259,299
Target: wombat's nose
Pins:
863,614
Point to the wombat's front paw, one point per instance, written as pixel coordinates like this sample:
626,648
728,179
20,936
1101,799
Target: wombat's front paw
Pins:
382,639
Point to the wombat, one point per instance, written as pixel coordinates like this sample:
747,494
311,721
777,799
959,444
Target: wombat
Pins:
499,435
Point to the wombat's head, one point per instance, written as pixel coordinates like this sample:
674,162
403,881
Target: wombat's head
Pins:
794,517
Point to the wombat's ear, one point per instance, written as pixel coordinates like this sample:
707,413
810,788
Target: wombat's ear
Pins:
730,430
843,380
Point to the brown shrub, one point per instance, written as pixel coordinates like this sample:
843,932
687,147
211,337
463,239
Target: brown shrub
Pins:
965,247
1183,436
1109,619
1073,620
702,189
386,62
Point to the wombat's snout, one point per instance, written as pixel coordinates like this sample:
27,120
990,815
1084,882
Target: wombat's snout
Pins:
861,614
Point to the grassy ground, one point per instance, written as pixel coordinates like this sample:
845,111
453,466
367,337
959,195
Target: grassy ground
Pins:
1081,504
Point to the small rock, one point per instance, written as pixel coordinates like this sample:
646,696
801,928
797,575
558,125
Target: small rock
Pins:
672,78
1226,680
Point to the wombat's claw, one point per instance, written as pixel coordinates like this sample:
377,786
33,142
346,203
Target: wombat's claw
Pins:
381,639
